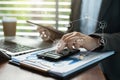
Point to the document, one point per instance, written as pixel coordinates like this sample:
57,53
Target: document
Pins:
62,67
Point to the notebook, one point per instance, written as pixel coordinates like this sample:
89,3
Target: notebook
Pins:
63,68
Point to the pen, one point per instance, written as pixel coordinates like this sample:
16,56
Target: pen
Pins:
27,64
84,54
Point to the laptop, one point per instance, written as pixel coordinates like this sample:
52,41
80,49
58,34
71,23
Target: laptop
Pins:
20,45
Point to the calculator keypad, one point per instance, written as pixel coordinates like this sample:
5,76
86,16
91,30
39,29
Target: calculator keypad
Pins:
53,55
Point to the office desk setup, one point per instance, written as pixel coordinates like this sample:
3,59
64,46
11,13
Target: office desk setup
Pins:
13,72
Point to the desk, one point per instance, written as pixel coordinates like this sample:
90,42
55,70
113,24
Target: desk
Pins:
11,72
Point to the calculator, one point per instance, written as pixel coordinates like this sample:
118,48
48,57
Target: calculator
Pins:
54,56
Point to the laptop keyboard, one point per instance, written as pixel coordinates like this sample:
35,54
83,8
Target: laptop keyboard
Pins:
13,47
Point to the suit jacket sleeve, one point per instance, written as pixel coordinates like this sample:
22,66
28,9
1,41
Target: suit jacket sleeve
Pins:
112,41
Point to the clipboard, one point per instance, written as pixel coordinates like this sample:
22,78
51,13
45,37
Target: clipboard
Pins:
61,69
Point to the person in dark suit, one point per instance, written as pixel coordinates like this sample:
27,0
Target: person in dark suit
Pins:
109,39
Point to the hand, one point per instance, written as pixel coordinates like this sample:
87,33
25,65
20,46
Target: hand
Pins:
77,40
49,33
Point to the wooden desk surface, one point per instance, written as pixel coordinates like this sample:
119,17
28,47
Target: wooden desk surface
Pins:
11,72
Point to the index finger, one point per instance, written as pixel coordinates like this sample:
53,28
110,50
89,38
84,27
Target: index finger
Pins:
60,46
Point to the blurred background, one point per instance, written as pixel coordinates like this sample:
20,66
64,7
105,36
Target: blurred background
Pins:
46,12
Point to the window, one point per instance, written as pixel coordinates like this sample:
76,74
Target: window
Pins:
46,12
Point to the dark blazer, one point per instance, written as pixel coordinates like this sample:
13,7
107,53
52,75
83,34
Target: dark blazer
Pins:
110,13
